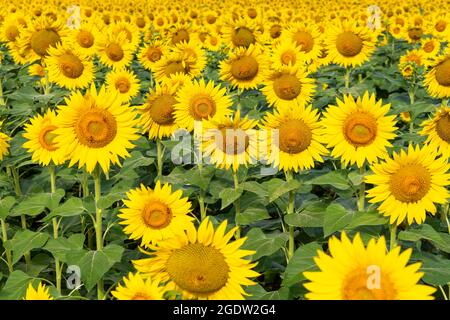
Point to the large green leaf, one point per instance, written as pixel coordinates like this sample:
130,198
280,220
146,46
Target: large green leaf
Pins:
336,218
35,204
301,261
6,205
367,218
277,187
264,244
24,241
333,178
229,195
62,246
312,216
15,286
251,215
72,207
439,239
436,269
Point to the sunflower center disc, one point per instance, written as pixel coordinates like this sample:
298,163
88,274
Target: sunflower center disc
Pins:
161,110
11,33
96,128
443,73
175,67
410,183
287,87
157,215
211,19
179,36
199,269
213,41
440,25
154,54
275,31
140,22
234,141
294,136
71,66
428,47
41,40
364,285
360,129
123,85
141,296
46,137
244,68
415,33
305,40
202,108
349,44
85,39
443,128
243,37
288,57
114,52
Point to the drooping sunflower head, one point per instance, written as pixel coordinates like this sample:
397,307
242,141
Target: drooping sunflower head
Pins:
437,131
437,79
409,184
374,275
358,130
41,293
198,100
124,83
95,128
201,264
137,288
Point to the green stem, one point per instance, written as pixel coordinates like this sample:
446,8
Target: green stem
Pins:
201,197
8,252
444,216
237,205
362,190
2,100
160,157
393,236
98,222
411,101
290,210
55,229
347,78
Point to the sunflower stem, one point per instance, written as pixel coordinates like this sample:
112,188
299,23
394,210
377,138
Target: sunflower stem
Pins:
411,101
160,155
393,236
201,197
55,229
7,251
362,189
2,100
347,79
237,205
444,216
98,222
290,210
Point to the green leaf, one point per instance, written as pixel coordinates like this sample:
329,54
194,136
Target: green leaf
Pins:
310,217
439,239
333,178
94,264
277,187
336,218
255,187
72,207
60,247
229,195
368,218
301,261
264,244
24,241
251,215
436,269
5,206
202,179
15,286
35,204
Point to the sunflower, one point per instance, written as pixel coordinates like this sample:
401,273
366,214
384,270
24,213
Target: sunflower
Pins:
241,33
440,27
437,79
124,82
138,288
4,144
358,130
95,128
197,101
192,51
292,138
40,35
287,54
213,41
131,31
201,264
41,293
68,68
175,62
245,68
430,47
230,141
11,27
84,38
40,133
413,56
437,130
407,70
114,49
349,44
288,86
353,271
155,215
179,32
409,184
307,37
323,60
151,53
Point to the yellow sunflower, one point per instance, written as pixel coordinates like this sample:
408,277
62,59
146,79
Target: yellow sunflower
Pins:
287,54
155,215
437,79
245,68
352,271
192,51
202,264
4,144
307,36
84,38
409,184
213,41
68,68
288,86
95,129
437,131
172,63
430,47
358,130
124,83
151,53
241,33
40,133
197,101
349,44
41,293
131,31
230,141
11,27
292,138
137,288
114,49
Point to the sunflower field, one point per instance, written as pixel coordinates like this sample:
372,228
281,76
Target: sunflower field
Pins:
224,150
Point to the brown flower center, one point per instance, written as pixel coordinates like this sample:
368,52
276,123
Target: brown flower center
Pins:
154,54
415,33
349,44
360,129
202,107
180,35
114,52
234,140
305,40
70,65
175,67
410,183
11,33
141,296
96,128
140,22
85,39
243,37
275,31
440,26
294,136
156,215
123,85
443,73
428,46
42,40
244,68
443,127
161,109
288,57
46,137
287,86
211,19
358,286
